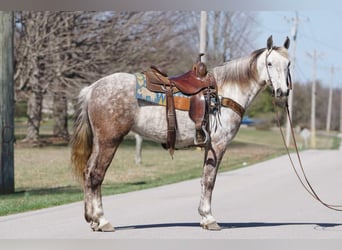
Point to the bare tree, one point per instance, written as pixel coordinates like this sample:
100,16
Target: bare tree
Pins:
31,59
230,35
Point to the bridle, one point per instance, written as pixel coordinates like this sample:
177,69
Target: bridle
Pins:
303,180
288,78
266,65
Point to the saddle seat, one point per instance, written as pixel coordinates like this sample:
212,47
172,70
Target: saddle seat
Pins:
188,83
201,88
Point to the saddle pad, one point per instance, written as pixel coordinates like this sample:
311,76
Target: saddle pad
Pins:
182,102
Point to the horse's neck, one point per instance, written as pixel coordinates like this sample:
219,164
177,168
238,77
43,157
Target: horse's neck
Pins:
234,83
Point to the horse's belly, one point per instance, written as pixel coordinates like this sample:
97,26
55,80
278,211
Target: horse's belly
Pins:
151,123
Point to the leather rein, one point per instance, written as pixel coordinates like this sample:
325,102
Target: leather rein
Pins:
303,180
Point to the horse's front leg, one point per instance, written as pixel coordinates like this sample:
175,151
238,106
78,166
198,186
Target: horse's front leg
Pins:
211,163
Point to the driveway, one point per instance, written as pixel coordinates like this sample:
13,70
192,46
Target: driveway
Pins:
261,201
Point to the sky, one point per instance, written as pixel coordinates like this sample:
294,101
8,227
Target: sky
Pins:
317,30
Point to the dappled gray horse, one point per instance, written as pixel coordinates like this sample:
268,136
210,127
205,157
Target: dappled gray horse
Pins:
108,110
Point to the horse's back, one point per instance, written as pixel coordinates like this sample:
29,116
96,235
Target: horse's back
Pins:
113,83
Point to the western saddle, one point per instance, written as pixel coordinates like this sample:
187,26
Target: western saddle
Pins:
202,99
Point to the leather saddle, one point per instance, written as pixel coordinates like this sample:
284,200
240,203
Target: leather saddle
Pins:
201,89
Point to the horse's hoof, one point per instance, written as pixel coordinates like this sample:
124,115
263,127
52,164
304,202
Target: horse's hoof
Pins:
106,228
213,226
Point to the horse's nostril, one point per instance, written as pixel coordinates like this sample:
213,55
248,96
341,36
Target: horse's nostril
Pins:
279,92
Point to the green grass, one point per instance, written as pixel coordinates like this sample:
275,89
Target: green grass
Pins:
43,177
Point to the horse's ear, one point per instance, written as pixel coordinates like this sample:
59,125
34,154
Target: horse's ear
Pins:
287,43
270,43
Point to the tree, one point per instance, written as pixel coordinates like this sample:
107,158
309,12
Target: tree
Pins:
261,105
32,62
230,35
302,106
301,114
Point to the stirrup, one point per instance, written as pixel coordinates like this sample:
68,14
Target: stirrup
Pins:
196,137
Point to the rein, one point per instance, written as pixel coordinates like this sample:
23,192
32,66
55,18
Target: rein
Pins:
305,182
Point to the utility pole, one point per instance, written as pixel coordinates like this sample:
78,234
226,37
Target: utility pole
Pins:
6,103
313,100
340,110
332,70
293,58
203,35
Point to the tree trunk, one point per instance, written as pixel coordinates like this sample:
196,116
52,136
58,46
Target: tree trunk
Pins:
34,113
60,114
6,104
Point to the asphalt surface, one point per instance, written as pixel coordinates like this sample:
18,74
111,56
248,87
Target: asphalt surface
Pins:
261,201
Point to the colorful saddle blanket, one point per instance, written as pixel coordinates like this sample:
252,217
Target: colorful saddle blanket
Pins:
182,102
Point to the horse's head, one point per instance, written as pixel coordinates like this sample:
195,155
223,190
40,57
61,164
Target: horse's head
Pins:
274,68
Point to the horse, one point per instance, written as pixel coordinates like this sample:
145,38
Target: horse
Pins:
108,109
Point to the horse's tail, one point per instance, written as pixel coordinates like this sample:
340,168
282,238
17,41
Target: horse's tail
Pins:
81,140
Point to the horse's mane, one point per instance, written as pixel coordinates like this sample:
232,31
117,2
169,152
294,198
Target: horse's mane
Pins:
240,71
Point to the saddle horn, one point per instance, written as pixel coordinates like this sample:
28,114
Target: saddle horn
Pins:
199,67
199,59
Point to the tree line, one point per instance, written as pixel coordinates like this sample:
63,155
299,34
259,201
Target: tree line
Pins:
263,109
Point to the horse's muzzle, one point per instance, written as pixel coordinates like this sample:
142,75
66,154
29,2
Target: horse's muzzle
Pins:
280,93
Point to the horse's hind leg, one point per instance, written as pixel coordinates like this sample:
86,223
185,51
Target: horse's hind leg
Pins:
210,167
138,148
99,161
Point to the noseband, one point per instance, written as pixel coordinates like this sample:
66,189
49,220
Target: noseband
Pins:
289,79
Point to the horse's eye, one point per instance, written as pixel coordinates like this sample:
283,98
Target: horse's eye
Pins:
269,64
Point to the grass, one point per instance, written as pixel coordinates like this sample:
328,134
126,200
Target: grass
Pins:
43,177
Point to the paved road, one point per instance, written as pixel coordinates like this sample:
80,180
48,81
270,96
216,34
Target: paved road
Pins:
262,201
